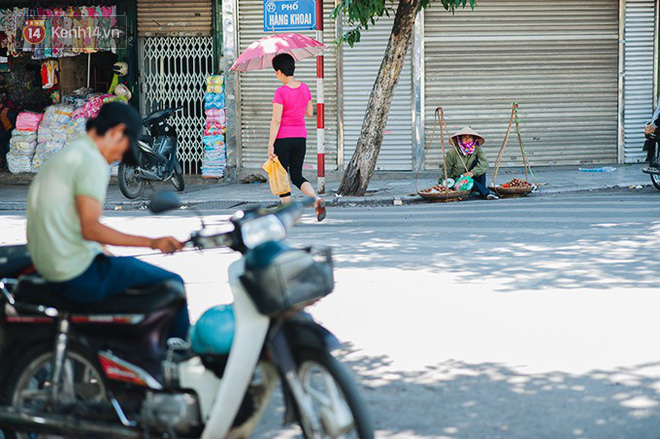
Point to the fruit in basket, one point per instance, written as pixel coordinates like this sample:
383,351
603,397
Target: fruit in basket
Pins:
517,183
437,189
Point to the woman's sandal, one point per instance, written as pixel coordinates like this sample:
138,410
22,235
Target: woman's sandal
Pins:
320,210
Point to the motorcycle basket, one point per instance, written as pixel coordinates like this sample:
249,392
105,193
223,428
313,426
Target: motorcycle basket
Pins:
296,278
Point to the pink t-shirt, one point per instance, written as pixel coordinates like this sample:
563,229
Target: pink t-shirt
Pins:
294,101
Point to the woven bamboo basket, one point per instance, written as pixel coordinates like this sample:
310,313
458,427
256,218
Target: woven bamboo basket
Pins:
444,195
513,191
504,191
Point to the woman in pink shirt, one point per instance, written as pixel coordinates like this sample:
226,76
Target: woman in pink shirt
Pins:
288,133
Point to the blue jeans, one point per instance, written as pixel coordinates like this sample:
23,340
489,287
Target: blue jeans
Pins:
480,185
110,276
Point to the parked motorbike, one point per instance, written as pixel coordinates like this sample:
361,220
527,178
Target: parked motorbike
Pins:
106,369
157,157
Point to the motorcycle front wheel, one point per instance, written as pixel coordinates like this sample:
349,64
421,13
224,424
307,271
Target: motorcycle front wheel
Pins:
130,184
338,406
31,384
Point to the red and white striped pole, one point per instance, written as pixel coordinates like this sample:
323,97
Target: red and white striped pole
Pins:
320,104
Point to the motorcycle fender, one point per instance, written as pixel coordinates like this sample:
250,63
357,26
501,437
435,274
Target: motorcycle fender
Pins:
303,332
177,167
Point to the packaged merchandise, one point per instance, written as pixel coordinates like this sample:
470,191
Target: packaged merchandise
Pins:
28,121
19,164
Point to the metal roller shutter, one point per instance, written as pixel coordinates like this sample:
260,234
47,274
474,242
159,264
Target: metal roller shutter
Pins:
638,80
174,17
360,67
558,60
257,88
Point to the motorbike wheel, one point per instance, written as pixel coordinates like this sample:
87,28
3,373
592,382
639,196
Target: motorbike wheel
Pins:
655,179
129,184
338,406
30,384
178,182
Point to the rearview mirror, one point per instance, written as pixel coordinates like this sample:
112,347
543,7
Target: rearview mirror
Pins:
164,201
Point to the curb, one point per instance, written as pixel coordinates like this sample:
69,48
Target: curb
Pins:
389,200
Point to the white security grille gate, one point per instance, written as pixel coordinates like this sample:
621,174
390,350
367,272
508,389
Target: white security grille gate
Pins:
173,73
257,88
638,79
559,61
360,67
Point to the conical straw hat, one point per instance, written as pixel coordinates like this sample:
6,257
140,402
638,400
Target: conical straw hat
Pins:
468,131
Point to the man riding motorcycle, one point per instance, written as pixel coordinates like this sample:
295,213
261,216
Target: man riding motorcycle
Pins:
65,237
651,138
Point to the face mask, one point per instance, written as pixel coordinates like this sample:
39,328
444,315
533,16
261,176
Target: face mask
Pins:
467,148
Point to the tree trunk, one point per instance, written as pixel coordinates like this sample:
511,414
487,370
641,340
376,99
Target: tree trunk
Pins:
361,167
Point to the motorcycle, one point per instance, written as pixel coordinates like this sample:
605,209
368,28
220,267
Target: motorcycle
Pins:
156,157
654,165
106,369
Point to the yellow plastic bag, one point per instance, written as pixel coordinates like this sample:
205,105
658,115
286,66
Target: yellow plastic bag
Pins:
277,177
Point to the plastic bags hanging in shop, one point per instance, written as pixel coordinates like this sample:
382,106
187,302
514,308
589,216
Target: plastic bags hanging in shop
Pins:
277,177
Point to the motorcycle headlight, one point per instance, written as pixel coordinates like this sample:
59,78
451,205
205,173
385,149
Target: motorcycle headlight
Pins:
262,230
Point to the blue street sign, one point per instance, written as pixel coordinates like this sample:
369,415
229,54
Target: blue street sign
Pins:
289,15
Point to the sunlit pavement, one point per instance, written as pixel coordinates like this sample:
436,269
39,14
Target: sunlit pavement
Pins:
515,319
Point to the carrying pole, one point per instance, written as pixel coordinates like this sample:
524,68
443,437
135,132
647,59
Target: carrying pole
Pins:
320,104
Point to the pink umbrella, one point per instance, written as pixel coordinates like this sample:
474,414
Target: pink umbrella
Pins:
259,55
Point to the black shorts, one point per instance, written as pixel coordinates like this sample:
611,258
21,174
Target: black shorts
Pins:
291,152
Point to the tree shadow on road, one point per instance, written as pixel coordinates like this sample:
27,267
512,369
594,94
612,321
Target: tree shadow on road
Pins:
537,244
454,399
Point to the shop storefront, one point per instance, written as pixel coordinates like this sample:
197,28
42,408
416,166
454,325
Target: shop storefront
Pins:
255,92
57,67
360,67
586,80
560,63
176,53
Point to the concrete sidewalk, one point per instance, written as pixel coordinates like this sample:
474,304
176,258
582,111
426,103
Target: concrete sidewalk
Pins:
385,188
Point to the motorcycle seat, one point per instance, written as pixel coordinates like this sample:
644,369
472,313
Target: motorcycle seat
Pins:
35,290
156,117
13,260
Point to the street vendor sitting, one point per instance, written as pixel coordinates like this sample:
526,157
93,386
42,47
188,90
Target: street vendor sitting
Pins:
467,159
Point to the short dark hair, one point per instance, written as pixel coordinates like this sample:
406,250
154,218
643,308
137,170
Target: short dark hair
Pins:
285,64
116,113
113,114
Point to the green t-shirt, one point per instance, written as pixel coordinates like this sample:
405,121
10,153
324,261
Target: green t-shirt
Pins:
55,241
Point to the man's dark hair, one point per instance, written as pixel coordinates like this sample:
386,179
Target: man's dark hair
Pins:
285,64
113,114
116,113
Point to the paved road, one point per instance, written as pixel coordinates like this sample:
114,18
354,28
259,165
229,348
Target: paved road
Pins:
510,319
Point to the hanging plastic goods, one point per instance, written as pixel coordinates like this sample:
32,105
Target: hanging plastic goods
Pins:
215,157
214,161
447,191
214,101
215,84
216,115
49,71
67,40
515,187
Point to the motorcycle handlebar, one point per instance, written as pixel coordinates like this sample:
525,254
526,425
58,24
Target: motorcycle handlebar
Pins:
287,214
